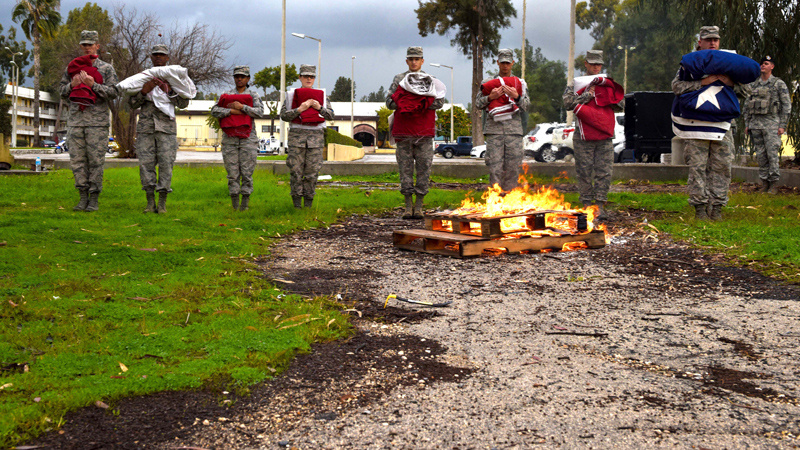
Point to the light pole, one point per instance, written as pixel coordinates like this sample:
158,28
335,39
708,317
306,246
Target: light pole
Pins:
319,56
15,96
452,124
625,73
352,94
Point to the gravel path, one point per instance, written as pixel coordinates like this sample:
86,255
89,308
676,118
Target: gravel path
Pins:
641,344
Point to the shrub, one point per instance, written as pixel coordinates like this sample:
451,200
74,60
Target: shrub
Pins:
334,137
23,143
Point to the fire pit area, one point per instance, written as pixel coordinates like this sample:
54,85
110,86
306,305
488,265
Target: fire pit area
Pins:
508,222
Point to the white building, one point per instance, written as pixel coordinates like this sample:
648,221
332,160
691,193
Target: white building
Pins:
48,111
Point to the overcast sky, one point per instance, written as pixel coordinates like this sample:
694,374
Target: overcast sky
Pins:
376,32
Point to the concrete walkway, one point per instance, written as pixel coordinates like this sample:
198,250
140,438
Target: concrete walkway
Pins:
376,164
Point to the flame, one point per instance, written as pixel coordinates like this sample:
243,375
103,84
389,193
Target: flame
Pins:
524,199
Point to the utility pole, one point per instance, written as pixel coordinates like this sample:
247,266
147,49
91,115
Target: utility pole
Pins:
524,11
571,60
283,75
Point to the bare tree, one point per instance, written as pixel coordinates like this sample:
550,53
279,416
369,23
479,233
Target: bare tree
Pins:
197,47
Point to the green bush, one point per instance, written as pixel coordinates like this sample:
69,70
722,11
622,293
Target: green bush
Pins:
334,137
23,143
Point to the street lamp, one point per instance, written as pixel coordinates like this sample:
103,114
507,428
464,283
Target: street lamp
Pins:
319,56
625,73
15,96
451,97
352,94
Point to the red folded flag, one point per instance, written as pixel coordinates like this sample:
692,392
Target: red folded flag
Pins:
310,116
596,120
413,116
236,125
83,94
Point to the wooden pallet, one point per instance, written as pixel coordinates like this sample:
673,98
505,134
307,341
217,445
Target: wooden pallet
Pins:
461,245
490,226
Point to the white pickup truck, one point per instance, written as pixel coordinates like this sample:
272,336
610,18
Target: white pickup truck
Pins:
561,145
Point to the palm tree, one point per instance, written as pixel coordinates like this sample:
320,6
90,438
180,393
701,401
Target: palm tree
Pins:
37,18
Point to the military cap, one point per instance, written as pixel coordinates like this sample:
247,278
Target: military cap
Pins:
241,70
594,57
709,32
505,55
768,58
308,70
89,37
414,52
159,49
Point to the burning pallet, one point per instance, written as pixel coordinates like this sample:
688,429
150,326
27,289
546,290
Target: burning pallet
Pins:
469,235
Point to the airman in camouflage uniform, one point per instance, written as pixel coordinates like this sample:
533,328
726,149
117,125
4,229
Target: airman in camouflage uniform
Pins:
87,129
709,161
413,153
156,137
766,112
504,138
594,160
306,143
239,155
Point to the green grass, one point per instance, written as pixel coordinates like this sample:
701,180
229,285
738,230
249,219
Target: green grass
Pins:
757,230
176,299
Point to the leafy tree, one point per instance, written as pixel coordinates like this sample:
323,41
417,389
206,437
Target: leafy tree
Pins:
377,96
270,77
382,126
37,18
5,118
478,24
341,90
10,40
463,124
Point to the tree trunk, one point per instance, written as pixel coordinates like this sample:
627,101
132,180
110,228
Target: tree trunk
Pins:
37,66
58,120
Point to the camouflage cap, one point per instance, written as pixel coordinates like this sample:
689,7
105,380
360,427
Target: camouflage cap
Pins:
594,57
308,70
709,32
505,55
414,52
241,70
89,37
159,49
767,58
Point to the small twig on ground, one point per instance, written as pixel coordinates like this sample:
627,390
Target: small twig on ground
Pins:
676,261
577,333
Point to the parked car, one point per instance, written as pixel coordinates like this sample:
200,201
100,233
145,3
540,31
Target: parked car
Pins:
540,135
479,151
48,143
462,147
559,147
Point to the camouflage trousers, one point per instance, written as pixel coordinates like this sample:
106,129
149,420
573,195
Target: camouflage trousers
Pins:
304,164
239,157
87,156
156,149
768,146
415,154
504,159
709,170
594,162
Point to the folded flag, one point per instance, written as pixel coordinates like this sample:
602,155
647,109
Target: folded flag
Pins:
414,96
236,125
82,94
310,116
503,107
595,120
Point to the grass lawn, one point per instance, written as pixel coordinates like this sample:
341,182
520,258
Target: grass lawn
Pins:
98,306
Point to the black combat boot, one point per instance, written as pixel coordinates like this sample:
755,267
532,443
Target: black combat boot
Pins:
308,201
297,201
245,205
162,203
235,201
92,205
151,202
602,214
83,202
765,185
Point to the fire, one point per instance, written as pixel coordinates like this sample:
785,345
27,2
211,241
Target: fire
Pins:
526,199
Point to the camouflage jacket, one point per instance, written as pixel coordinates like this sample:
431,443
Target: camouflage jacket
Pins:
437,104
152,119
513,126
97,114
768,105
